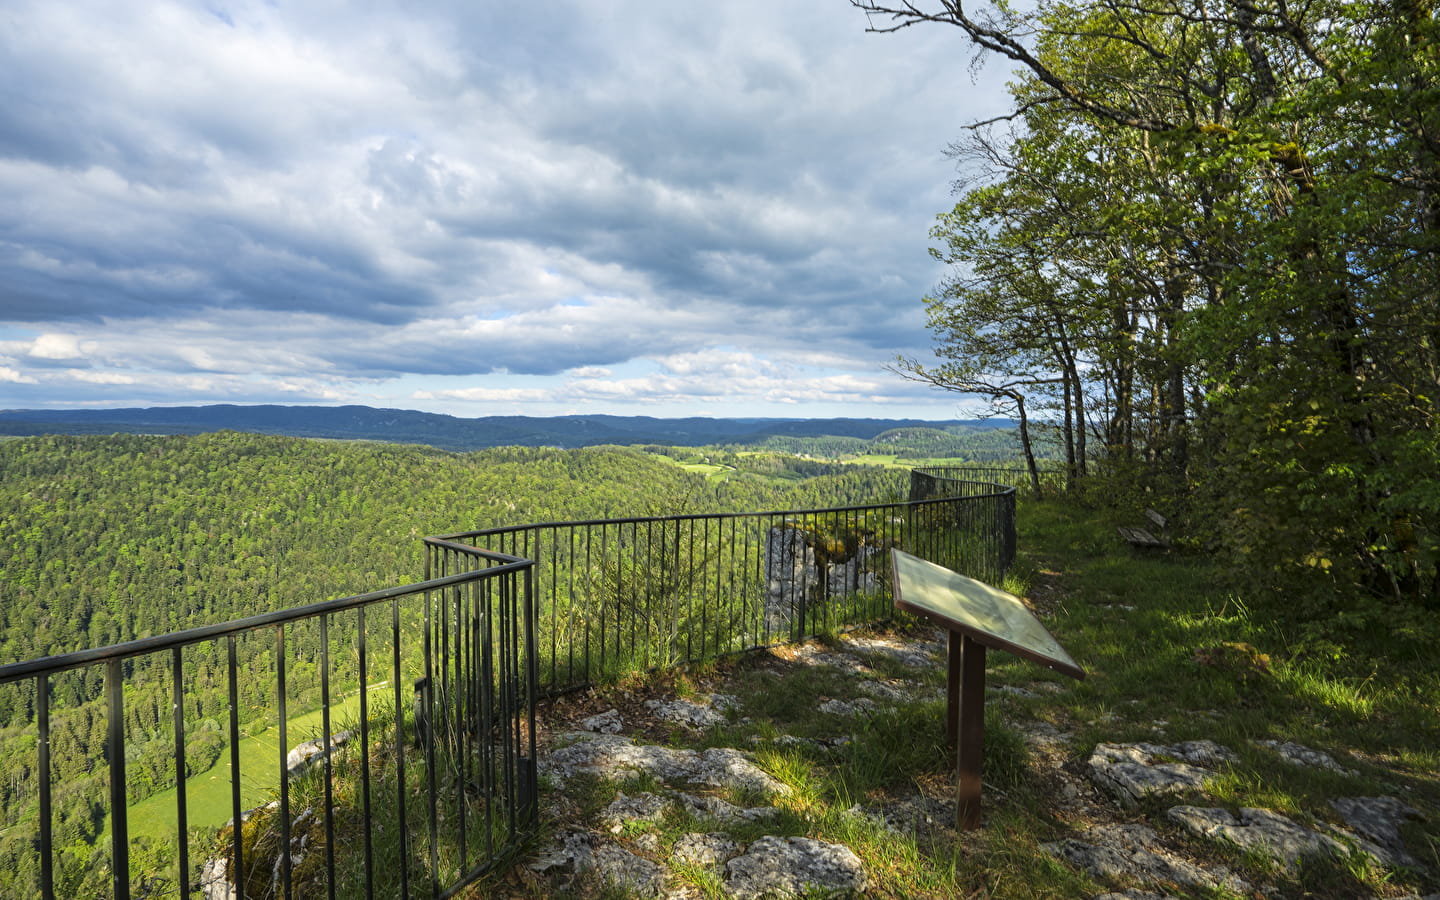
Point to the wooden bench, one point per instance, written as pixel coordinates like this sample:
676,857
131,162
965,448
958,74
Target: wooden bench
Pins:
1140,537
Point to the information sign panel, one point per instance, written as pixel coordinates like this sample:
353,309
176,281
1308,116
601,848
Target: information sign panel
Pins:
976,615
989,615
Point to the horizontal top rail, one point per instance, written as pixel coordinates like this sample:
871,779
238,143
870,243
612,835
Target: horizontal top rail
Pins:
997,490
47,665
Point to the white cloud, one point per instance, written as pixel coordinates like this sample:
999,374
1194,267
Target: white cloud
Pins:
56,346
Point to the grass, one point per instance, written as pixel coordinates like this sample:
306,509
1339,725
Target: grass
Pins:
207,794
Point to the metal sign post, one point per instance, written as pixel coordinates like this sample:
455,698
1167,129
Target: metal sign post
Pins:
976,616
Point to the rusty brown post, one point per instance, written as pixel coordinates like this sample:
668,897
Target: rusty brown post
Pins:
971,751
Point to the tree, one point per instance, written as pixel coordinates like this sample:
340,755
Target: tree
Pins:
1276,231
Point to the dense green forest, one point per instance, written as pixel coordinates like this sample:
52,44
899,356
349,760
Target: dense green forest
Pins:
107,539
1204,239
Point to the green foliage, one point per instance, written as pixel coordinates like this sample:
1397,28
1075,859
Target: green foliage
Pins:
1212,245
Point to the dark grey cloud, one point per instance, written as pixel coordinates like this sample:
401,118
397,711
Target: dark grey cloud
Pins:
251,201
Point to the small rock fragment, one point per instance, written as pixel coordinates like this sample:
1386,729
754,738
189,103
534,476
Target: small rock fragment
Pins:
1124,852
684,712
851,708
790,866
608,722
1301,755
705,849
1262,830
620,867
1133,771
643,807
1379,819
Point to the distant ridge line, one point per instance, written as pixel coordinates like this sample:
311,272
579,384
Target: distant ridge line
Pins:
448,432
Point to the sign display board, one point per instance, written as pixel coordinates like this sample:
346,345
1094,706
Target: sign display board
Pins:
976,616
989,615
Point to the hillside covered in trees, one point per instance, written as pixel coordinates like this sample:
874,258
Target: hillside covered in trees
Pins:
452,432
108,539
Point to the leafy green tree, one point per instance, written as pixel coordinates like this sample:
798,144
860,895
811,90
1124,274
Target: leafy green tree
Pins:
1262,219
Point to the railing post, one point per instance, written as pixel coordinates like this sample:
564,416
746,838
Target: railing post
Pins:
47,840
119,825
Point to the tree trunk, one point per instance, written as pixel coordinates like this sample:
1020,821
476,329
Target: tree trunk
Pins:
1019,399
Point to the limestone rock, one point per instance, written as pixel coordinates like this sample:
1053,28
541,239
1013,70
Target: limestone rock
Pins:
644,807
1262,830
912,815
1135,852
886,692
637,874
610,756
608,722
724,811
299,759
912,655
684,712
730,768
570,852
1379,819
1133,771
850,708
1301,755
215,880
790,866
705,849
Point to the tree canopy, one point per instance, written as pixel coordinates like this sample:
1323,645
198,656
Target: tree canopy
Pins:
1207,235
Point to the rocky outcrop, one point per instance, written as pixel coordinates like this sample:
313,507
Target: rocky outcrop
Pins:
1131,772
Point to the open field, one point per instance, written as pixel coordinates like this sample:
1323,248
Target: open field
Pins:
207,794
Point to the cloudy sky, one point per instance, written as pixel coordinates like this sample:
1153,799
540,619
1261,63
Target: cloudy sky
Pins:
638,207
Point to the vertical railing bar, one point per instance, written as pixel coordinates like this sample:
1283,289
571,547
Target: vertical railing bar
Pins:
691,581
532,799
47,836
704,584
487,700
115,744
432,726
280,691
507,600
237,874
364,665
570,597
464,699
554,577
589,595
325,735
397,679
182,821
472,730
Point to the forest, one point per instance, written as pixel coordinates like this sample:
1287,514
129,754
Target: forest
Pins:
1204,241
408,426
105,539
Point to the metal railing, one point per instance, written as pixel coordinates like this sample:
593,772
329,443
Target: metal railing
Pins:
426,801
1051,479
434,782
614,595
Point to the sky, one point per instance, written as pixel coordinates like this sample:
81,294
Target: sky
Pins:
631,207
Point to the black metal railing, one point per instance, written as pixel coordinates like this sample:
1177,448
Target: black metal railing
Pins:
630,594
1051,479
432,784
